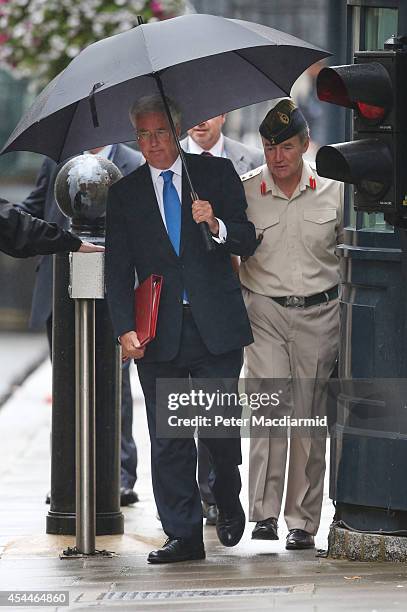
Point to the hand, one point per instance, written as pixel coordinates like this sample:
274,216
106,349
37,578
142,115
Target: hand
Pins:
131,346
88,247
202,211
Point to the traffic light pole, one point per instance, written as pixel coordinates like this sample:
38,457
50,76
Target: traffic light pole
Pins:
369,439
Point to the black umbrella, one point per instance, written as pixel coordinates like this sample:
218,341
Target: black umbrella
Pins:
209,65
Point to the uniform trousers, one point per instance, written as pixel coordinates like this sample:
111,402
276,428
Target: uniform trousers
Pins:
297,343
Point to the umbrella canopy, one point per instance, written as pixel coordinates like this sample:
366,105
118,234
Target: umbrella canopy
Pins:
209,65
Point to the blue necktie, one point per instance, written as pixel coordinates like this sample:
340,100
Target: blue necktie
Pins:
172,209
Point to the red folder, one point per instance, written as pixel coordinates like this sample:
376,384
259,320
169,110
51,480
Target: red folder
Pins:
146,302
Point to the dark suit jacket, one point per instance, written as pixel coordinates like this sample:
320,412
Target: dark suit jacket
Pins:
136,239
41,203
22,235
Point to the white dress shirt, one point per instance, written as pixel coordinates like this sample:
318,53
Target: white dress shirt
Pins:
218,149
158,183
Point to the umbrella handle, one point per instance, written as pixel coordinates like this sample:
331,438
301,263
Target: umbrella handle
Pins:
207,237
210,244
204,228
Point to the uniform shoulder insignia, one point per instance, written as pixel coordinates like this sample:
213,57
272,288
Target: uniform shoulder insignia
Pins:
251,174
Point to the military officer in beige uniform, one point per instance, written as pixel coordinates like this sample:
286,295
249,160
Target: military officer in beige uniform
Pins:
291,294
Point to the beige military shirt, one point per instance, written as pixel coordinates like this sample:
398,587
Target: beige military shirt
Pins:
297,253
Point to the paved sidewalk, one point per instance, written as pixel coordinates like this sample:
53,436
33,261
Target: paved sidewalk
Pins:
20,354
260,575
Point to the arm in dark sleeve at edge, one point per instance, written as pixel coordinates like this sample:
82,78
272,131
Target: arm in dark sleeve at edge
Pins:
241,234
22,235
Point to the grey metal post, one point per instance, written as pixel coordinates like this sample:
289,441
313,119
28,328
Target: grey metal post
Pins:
85,426
86,285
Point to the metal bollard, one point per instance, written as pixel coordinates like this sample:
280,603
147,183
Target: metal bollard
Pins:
85,466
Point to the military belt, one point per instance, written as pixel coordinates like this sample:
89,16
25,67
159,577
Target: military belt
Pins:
296,301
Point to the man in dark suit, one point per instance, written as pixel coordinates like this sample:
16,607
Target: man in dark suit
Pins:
202,322
22,235
207,138
41,203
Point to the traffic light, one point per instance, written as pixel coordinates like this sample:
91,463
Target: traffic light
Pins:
375,162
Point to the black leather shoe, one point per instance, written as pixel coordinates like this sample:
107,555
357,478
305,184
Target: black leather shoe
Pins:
230,527
299,539
177,549
210,512
265,530
127,496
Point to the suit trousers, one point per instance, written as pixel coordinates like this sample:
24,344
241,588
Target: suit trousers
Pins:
297,343
205,473
173,460
128,449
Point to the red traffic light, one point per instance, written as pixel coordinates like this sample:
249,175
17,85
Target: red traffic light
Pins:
364,87
370,112
375,161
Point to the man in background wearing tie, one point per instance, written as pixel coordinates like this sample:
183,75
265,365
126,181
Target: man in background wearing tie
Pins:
205,139
202,322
